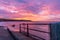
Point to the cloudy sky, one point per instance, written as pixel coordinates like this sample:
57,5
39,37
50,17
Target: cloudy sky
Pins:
36,10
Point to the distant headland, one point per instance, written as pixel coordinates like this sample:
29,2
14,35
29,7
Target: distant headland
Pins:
2,19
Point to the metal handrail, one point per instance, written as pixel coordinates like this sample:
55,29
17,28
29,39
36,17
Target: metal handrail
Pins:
28,34
36,30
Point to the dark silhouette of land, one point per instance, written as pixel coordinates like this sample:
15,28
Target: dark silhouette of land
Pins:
2,19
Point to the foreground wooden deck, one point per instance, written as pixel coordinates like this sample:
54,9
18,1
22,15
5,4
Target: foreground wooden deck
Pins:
4,35
21,36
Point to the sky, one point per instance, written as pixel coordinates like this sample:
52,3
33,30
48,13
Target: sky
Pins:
35,10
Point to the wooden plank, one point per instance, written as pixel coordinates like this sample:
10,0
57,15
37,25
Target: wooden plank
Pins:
20,36
4,35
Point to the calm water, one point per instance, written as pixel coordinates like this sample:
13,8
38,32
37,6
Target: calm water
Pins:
37,27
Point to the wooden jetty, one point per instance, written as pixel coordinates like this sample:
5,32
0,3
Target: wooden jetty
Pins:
7,35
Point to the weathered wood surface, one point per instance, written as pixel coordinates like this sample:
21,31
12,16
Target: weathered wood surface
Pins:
4,35
21,36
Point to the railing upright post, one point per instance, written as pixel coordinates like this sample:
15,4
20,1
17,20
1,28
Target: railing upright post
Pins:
50,32
55,31
27,30
20,28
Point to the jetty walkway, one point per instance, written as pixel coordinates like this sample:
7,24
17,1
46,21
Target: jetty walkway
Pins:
6,35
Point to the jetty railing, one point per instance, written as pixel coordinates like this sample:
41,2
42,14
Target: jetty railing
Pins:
27,32
54,30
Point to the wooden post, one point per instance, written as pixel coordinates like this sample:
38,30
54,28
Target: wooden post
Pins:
55,31
50,32
20,28
27,30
